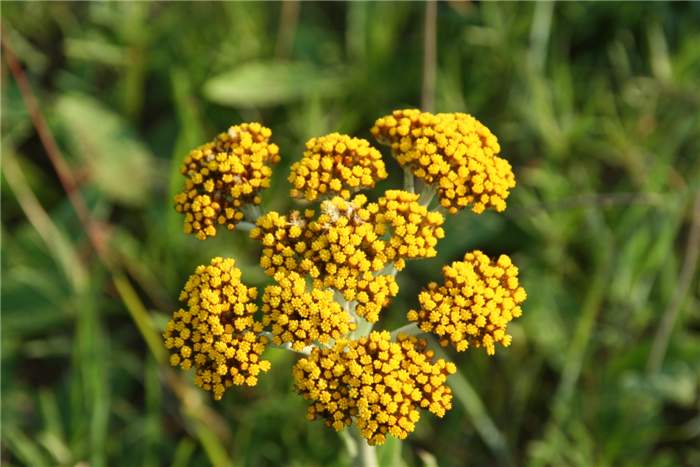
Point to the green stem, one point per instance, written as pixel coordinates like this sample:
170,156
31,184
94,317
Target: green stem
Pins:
251,212
408,182
245,226
426,195
411,329
365,455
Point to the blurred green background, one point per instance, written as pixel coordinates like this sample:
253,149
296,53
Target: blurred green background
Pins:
596,105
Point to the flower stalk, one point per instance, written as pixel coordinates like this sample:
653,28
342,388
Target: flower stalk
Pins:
365,455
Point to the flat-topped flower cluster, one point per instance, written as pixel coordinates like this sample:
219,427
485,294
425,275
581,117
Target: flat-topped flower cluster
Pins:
333,267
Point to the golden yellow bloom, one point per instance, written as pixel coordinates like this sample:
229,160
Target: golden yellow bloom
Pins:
217,333
223,176
339,249
284,239
474,305
346,254
334,268
299,317
336,164
454,152
414,231
379,384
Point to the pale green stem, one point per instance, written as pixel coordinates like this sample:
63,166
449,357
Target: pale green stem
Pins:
389,269
251,212
366,455
411,329
305,351
363,329
245,226
408,182
426,195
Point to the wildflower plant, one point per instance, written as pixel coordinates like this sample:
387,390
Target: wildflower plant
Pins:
333,267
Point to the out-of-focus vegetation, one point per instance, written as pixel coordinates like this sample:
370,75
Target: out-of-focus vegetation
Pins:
596,105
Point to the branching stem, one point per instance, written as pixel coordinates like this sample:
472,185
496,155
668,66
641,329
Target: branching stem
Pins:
411,329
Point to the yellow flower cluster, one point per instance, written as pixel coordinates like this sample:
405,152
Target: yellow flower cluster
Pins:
452,151
339,249
336,164
217,333
379,384
474,305
347,255
334,268
414,231
298,317
223,176
285,240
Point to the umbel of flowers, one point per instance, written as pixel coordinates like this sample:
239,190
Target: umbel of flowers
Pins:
333,262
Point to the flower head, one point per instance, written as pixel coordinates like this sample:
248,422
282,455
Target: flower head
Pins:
216,333
478,299
336,164
379,384
285,239
339,249
346,254
413,230
300,317
223,176
334,268
452,151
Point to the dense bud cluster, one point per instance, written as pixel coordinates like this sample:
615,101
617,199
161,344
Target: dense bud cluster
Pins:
414,231
223,176
339,249
336,164
346,255
298,317
454,152
379,383
217,333
333,268
285,240
478,299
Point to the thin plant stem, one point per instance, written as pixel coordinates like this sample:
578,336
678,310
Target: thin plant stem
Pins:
685,278
289,20
251,212
57,243
209,426
411,329
366,455
474,407
245,226
429,56
426,195
63,170
408,181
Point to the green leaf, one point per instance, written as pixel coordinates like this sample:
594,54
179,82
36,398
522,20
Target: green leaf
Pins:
118,163
259,84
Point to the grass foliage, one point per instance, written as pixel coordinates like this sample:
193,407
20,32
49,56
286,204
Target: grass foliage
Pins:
596,105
